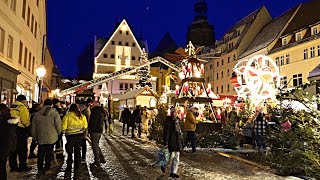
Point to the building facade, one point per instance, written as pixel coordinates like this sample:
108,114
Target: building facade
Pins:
22,30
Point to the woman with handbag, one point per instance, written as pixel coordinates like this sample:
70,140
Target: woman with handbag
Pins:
172,137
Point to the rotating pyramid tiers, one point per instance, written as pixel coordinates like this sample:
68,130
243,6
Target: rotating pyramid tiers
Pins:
191,89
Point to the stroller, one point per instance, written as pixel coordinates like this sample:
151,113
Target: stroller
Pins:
247,135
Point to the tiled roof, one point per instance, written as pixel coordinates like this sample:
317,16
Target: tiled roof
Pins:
134,93
315,72
268,34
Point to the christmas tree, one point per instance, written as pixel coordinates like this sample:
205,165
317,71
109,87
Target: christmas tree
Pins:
143,74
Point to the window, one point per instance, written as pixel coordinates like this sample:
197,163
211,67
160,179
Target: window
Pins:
120,32
10,47
25,57
234,57
133,44
283,81
238,32
221,74
112,42
314,30
121,86
32,22
298,37
120,43
221,89
284,41
305,54
1,40
126,85
287,59
211,64
318,50
112,56
297,79
29,64
37,2
312,53
222,62
28,17
228,59
131,85
33,61
105,55
228,72
20,52
281,60
133,58
127,32
217,75
217,63
228,87
277,61
127,43
13,5
24,9
35,29
217,89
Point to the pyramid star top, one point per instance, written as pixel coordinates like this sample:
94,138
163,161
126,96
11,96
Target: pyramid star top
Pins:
190,49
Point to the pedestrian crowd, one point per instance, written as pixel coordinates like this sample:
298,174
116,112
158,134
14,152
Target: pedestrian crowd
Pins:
46,123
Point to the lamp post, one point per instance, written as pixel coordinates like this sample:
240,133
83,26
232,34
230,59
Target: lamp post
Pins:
41,72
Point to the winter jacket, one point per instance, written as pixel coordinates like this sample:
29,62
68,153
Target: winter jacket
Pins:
136,116
125,116
96,122
85,110
8,136
60,110
72,124
260,125
172,135
190,122
21,111
46,126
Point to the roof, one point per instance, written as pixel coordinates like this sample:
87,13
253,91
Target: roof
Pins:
308,14
269,33
315,72
134,93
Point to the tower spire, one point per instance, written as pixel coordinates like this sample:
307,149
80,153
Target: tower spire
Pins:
200,10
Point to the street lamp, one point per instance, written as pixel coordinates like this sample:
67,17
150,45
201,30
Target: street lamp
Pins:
41,72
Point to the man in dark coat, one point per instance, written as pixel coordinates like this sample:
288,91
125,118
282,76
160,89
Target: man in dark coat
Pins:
125,117
8,138
95,128
35,108
136,119
172,137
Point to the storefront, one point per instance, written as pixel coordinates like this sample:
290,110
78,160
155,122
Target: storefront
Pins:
8,81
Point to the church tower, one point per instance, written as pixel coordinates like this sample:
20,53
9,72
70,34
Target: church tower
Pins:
200,32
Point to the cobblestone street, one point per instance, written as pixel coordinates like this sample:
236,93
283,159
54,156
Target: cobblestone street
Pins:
132,159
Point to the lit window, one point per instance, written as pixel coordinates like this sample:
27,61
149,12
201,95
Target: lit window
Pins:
297,80
287,59
305,54
312,52
10,47
314,30
1,40
298,37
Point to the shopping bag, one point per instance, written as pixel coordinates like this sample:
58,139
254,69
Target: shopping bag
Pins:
163,157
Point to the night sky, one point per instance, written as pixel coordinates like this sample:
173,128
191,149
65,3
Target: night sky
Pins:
72,24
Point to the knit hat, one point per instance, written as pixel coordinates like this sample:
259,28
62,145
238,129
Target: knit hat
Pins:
55,101
21,98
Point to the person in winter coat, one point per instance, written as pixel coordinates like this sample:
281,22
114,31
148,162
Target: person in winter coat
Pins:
260,126
136,119
8,138
85,110
125,118
59,143
74,124
190,127
20,110
172,137
95,128
35,108
46,127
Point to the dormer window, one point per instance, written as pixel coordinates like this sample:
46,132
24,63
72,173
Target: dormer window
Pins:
238,32
315,30
284,41
298,36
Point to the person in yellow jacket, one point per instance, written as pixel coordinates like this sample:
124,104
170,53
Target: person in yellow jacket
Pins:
190,126
20,110
74,124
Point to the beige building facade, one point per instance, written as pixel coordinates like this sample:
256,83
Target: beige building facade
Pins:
22,29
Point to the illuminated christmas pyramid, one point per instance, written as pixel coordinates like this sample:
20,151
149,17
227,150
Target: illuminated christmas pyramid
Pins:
192,88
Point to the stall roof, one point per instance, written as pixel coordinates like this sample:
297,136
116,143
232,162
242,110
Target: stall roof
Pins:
134,93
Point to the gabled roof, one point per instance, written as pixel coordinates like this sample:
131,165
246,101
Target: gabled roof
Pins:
134,93
315,72
270,32
123,22
308,14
